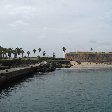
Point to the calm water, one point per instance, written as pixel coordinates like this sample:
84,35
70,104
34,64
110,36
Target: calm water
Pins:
60,91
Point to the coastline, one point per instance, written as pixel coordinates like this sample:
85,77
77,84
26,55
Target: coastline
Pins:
89,65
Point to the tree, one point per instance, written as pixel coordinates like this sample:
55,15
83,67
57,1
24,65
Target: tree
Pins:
18,50
10,51
3,55
54,55
34,50
1,51
64,49
44,53
91,49
22,52
4,52
28,53
15,53
39,49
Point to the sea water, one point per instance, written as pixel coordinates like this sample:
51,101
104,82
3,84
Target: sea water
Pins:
66,90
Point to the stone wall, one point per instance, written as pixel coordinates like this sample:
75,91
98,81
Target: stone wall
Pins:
13,74
89,56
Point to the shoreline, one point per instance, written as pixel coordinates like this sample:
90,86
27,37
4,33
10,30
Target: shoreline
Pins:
85,68
89,65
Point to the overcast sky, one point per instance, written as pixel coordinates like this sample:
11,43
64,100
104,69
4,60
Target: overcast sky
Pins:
51,24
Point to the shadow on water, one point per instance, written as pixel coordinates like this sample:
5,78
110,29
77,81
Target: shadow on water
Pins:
10,86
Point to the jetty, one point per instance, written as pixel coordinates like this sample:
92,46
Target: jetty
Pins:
12,74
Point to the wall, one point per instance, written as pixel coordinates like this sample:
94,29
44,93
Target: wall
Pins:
89,56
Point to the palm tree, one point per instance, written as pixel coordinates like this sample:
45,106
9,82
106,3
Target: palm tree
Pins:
91,49
34,50
64,49
28,53
22,52
44,53
10,51
54,55
1,51
18,50
4,51
15,53
39,49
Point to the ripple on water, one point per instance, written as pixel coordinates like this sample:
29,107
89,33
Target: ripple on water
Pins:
60,91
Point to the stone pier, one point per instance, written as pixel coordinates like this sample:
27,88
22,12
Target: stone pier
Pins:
8,75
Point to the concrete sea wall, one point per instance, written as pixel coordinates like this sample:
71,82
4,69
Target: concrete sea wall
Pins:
8,75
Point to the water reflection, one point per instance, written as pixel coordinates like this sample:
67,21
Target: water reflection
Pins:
20,83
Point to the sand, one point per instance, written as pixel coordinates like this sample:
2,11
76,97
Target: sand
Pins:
89,65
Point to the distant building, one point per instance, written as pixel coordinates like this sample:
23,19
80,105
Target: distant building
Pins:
89,56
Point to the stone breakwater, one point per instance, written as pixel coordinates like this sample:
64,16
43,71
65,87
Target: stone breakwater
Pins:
8,75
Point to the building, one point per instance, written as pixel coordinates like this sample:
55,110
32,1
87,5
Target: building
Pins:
89,56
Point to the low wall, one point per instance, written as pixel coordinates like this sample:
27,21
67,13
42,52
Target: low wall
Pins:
9,75
14,75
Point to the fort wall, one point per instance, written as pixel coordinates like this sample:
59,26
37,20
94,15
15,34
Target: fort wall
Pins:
89,56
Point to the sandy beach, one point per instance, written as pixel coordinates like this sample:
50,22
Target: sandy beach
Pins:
89,65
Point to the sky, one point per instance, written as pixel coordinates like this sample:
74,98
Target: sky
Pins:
51,24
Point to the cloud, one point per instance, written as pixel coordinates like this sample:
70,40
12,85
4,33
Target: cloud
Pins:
92,41
21,10
18,23
77,24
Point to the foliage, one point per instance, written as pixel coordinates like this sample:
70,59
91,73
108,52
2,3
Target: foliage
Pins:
64,49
